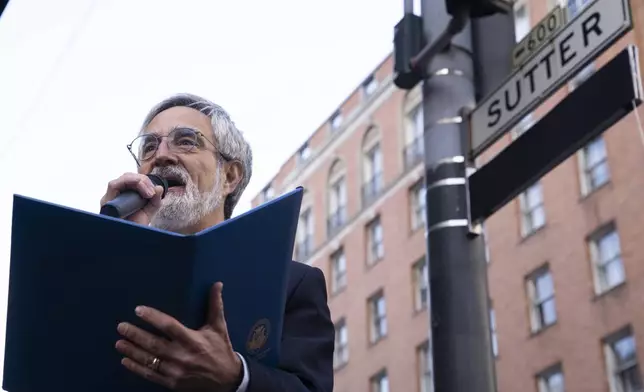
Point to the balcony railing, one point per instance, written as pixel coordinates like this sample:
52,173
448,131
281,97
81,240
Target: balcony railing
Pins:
304,248
371,189
336,220
414,152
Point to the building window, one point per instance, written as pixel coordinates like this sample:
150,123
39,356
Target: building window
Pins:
369,86
551,380
593,163
573,6
337,216
533,214
522,23
336,121
375,245
421,284
372,167
338,271
268,193
495,341
304,245
522,127
582,76
424,359
304,153
541,295
378,317
373,174
606,257
621,362
488,256
415,144
380,382
341,352
418,203
337,198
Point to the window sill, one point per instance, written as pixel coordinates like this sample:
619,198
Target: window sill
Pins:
414,230
588,195
416,312
371,264
615,290
533,233
543,329
375,342
338,291
339,368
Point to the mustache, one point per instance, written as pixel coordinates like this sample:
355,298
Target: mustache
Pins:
175,172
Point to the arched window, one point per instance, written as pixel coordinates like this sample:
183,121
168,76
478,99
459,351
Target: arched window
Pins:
337,200
372,166
414,128
304,242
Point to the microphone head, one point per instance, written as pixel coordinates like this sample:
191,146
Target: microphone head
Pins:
158,180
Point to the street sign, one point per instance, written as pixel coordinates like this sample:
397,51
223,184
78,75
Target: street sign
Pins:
598,26
605,98
538,36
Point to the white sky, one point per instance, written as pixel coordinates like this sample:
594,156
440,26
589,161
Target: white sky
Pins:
78,76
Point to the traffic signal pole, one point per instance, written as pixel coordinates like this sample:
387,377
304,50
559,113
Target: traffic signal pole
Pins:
459,302
456,68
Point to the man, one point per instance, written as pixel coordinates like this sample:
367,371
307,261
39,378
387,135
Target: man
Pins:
194,142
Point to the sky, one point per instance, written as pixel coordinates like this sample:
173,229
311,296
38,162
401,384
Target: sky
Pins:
78,76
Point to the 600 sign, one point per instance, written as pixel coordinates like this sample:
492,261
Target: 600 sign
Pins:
540,34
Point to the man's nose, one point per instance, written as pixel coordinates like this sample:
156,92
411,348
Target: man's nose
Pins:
163,156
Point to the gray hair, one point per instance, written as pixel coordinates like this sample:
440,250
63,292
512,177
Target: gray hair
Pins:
229,140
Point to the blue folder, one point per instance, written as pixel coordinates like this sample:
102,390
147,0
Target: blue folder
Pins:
75,275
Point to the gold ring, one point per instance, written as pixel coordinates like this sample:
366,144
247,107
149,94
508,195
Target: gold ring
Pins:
154,365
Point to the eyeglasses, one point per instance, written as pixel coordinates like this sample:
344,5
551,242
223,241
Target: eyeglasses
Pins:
180,140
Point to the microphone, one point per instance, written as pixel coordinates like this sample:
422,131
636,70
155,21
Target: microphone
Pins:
129,202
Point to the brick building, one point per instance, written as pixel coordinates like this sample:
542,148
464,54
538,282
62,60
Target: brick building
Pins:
566,258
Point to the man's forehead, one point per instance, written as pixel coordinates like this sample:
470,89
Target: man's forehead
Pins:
179,116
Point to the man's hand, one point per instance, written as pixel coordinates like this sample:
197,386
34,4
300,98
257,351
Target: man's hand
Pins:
142,184
189,360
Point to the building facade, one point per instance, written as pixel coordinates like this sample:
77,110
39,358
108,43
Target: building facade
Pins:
565,258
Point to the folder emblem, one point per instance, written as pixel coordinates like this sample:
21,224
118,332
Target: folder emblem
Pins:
258,336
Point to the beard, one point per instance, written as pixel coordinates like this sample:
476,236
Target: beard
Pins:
186,209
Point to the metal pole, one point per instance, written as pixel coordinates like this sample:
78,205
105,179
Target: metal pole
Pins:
460,322
409,6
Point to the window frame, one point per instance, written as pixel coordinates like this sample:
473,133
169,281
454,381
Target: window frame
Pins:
417,205
527,219
376,381
341,352
336,120
303,157
598,266
420,275
536,301
375,250
543,377
518,5
424,367
339,279
585,173
265,192
371,82
377,322
614,371
494,338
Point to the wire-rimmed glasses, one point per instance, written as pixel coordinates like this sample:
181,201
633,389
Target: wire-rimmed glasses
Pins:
180,140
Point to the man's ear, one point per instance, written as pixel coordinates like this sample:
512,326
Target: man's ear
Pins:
234,175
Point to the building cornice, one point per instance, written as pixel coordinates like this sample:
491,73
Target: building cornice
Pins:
322,154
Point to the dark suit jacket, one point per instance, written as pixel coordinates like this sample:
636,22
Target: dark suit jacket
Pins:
308,336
